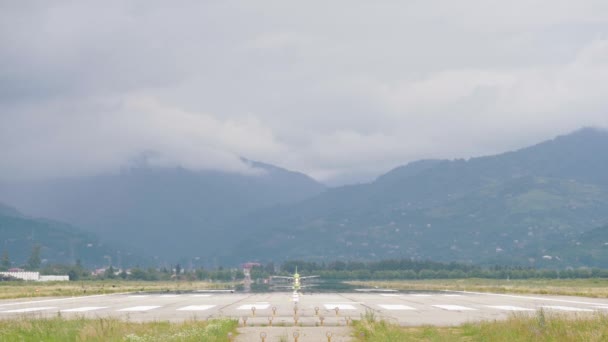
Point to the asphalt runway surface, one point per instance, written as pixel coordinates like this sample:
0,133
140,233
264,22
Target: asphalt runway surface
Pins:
327,309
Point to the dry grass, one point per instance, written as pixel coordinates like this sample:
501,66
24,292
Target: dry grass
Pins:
24,289
592,287
540,327
110,329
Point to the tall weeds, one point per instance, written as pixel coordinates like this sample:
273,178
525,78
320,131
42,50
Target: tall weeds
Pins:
541,327
110,329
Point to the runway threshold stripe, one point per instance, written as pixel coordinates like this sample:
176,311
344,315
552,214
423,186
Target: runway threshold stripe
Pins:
85,308
509,308
196,308
454,308
140,308
41,308
565,308
395,307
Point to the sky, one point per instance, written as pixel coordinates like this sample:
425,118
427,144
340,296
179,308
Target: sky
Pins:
340,90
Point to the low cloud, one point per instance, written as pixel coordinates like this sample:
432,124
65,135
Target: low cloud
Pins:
341,91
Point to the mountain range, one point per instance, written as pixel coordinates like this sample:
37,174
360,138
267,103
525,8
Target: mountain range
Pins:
524,207
544,205
162,213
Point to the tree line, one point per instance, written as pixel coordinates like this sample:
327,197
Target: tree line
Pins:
408,269
392,269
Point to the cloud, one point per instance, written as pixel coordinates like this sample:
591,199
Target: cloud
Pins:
100,136
343,91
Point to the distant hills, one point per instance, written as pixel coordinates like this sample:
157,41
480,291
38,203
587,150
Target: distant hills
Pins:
523,207
545,205
167,213
59,242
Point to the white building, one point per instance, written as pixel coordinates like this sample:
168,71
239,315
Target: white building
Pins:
35,276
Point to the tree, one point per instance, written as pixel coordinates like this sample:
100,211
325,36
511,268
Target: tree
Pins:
5,264
109,273
33,263
73,274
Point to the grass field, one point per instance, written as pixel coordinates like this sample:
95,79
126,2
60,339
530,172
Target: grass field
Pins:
592,287
539,327
108,329
23,289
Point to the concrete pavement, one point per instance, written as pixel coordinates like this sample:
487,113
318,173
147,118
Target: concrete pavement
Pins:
329,309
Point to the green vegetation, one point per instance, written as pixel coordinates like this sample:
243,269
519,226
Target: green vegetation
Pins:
30,242
407,269
110,329
24,289
545,206
592,287
518,208
539,327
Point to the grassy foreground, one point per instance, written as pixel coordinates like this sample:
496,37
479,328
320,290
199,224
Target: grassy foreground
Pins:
26,289
541,327
591,287
109,329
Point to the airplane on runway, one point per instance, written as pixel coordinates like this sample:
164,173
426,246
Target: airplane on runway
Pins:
297,284
297,280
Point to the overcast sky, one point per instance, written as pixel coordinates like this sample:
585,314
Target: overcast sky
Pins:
340,90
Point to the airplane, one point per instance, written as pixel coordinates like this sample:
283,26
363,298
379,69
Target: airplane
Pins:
297,280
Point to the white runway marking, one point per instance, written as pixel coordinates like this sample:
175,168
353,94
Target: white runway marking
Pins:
201,295
395,307
509,308
452,295
62,299
139,296
169,296
339,306
528,297
390,295
454,307
565,308
421,295
140,308
196,308
84,309
32,309
601,307
256,306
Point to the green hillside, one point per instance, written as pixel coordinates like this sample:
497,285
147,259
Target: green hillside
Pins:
166,213
59,243
589,249
511,209
537,206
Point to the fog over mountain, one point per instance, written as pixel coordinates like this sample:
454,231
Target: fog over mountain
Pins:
529,207
229,130
160,211
544,205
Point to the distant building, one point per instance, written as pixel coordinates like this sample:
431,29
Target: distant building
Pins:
34,276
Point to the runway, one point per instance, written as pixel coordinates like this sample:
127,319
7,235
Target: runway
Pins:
329,309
